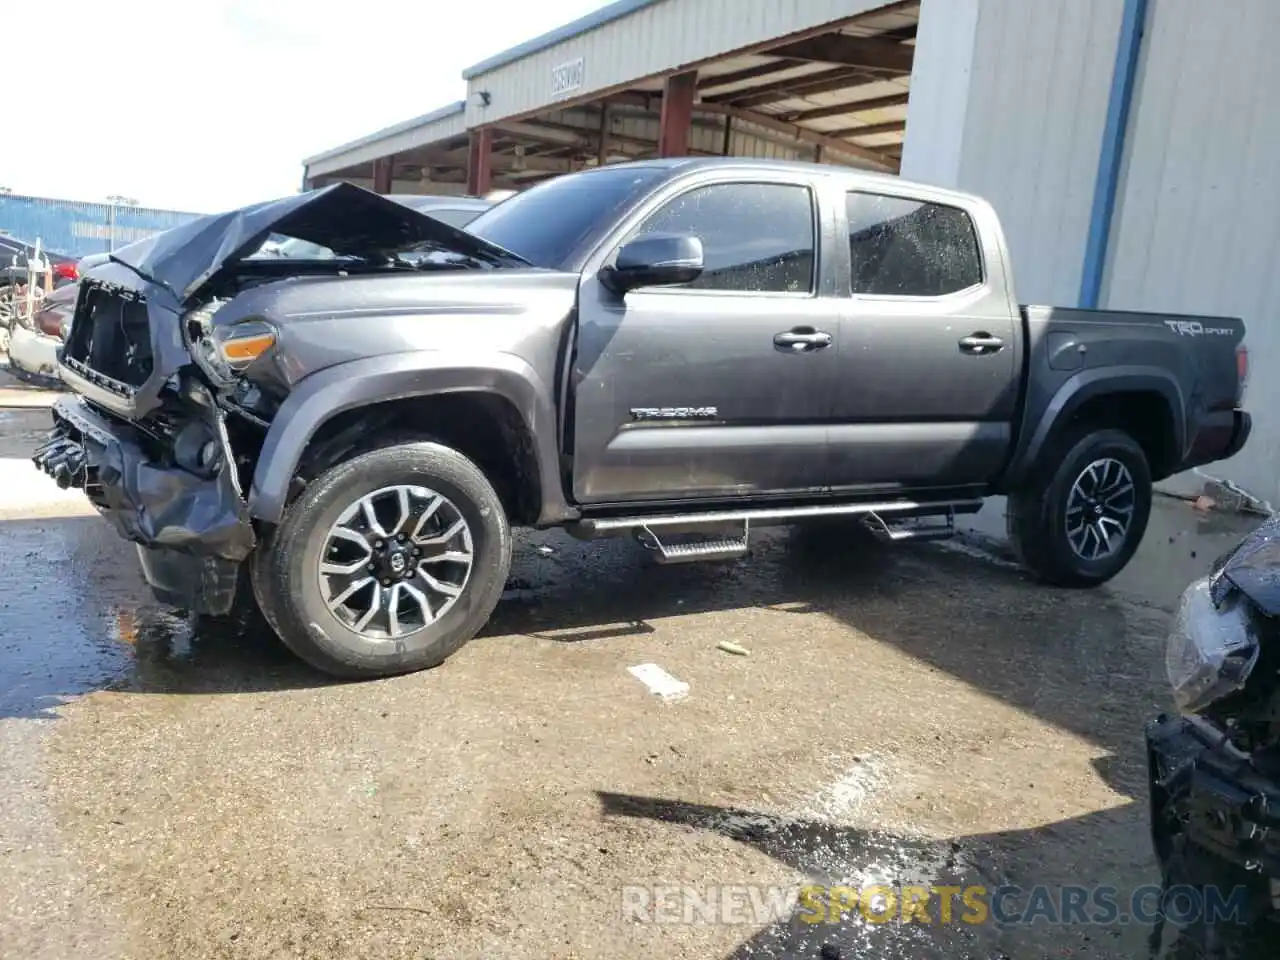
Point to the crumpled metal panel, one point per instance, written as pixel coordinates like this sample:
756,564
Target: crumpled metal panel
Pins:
1253,568
345,218
168,507
148,503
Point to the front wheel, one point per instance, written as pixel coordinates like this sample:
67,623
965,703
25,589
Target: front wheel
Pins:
1081,520
386,563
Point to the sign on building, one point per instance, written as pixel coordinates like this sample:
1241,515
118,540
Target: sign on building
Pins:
568,76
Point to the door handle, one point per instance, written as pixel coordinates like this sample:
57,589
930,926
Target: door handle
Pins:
981,343
801,340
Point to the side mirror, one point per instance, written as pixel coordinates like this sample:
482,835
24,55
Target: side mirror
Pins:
659,259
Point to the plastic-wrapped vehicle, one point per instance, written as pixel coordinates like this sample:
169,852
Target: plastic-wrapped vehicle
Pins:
1214,768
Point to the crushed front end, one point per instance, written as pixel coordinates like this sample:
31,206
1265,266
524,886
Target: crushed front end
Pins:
167,483
176,363
147,442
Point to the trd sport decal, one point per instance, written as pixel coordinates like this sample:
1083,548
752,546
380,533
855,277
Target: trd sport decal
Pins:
675,413
1194,328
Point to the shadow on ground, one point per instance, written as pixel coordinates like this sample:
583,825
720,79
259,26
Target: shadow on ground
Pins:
1085,661
1017,894
82,618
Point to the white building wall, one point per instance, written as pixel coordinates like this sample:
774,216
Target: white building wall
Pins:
1197,222
1008,100
651,40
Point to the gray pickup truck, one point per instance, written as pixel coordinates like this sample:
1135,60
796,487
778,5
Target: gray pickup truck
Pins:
675,350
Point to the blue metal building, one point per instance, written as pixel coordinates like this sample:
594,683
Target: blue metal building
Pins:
78,229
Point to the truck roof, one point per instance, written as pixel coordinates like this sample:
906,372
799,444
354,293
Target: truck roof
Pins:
868,178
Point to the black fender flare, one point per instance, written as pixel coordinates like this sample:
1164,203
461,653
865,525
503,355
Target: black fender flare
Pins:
361,383
1088,385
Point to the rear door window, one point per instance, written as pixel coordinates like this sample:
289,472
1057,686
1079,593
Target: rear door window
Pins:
900,247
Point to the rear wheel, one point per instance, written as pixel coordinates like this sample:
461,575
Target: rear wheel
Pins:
386,563
1079,522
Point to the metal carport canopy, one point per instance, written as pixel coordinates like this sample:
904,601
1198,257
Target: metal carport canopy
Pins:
833,74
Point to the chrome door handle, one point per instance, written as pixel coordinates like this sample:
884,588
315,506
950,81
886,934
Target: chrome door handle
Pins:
981,343
802,339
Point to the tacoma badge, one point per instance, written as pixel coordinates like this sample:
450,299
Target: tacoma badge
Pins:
675,413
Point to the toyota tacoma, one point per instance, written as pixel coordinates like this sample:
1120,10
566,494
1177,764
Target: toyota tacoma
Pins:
676,350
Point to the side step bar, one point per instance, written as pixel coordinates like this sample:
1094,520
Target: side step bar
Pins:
603,526
725,548
914,531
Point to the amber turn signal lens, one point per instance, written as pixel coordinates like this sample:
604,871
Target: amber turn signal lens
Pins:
245,349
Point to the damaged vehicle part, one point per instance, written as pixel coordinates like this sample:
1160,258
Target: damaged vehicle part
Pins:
1214,771
681,349
184,511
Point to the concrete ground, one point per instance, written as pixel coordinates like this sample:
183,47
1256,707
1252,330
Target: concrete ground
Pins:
905,715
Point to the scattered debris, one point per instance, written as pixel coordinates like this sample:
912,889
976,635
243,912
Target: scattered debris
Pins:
659,682
1204,504
546,551
381,906
730,647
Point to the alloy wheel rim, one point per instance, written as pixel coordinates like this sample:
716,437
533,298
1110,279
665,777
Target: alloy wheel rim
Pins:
395,561
1100,509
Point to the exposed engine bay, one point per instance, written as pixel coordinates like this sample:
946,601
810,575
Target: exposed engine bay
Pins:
170,353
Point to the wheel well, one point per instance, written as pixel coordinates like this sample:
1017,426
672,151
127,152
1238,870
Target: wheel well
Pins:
1143,414
484,427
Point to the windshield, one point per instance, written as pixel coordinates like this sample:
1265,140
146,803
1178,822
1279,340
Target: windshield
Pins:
547,223
292,248
454,216
278,245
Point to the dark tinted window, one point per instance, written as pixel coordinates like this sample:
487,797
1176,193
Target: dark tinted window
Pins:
547,223
907,248
756,237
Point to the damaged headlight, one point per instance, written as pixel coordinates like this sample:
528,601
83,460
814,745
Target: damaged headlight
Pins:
240,345
223,352
1212,647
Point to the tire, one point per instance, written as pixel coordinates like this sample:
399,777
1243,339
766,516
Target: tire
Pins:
245,613
286,573
1037,512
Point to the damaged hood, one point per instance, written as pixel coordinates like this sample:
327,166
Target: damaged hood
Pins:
1253,568
345,218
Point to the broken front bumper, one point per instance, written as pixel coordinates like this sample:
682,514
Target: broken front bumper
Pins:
192,531
1212,794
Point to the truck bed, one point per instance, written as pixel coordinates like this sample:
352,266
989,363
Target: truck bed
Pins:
1196,363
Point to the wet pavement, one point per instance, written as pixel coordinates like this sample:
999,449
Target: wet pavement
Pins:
920,716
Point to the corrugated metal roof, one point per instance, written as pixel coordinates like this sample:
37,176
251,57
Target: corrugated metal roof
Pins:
651,40
823,85
607,14
453,110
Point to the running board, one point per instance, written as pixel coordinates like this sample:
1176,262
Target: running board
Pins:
890,533
603,526
724,548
